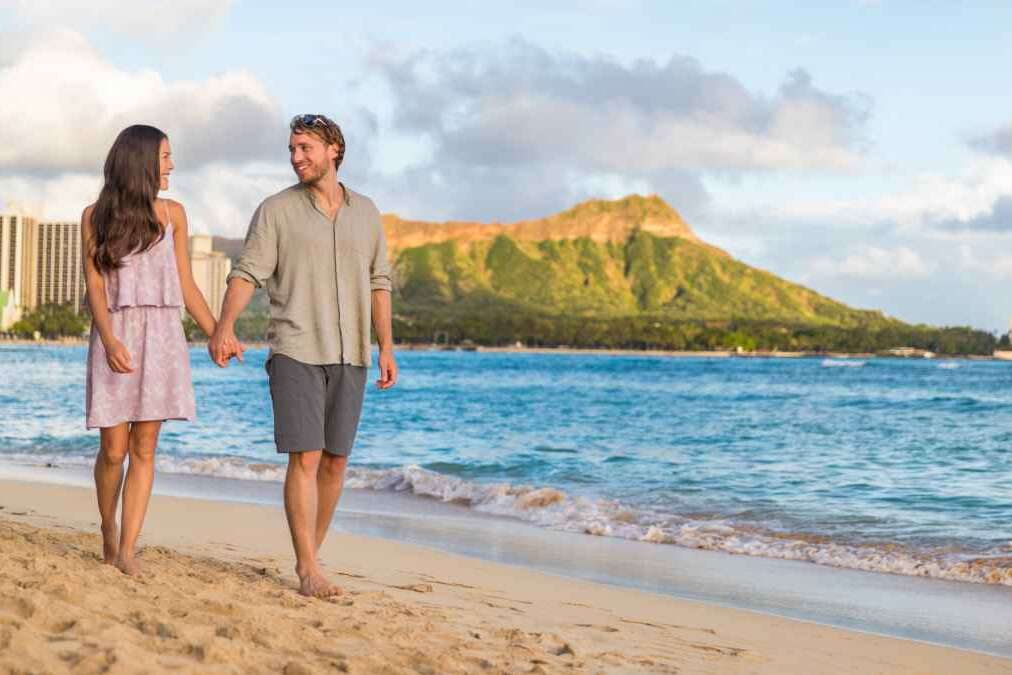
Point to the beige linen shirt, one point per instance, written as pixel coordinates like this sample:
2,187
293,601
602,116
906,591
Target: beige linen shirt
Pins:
319,274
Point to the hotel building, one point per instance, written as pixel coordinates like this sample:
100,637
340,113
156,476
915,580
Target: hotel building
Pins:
210,270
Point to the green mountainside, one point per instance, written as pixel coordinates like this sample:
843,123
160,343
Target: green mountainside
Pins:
660,276
639,259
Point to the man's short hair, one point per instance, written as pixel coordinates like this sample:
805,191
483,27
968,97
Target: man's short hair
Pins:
323,128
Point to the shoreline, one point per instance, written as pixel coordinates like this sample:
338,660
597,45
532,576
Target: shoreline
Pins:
573,351
420,490
224,578
935,611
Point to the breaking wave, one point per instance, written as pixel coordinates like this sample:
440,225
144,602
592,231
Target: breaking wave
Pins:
558,510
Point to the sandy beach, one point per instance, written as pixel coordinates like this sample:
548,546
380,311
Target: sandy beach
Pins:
218,595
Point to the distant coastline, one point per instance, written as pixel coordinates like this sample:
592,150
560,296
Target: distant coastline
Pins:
714,354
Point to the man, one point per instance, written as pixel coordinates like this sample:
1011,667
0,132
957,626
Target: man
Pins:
319,249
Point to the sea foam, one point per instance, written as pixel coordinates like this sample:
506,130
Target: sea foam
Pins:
552,508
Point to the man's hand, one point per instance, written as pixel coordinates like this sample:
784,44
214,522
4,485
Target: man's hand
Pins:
387,368
223,345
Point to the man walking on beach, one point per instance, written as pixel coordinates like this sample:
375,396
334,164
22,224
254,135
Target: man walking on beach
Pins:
319,249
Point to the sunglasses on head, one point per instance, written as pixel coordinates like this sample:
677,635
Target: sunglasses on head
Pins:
311,120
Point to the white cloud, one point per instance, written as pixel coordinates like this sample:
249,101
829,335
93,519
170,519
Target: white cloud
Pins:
932,204
996,141
219,198
140,19
873,263
997,267
64,105
61,197
519,104
512,130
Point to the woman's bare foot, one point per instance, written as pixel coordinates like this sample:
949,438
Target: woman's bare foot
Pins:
128,566
110,543
315,585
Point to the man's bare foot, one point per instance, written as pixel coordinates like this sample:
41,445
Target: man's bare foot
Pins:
110,543
128,566
315,585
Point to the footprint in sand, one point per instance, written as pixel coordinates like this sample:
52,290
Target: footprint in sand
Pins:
499,597
606,629
495,606
417,588
433,580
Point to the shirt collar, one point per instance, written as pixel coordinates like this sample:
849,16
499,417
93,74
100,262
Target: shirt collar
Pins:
344,191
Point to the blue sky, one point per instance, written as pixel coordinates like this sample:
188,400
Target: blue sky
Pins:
861,148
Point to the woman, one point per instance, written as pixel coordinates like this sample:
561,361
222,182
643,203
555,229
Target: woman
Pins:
137,271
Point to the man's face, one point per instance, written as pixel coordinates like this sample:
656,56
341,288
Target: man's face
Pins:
311,159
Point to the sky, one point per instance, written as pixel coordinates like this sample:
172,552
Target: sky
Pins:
861,148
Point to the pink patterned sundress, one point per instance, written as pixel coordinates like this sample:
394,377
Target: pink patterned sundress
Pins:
145,300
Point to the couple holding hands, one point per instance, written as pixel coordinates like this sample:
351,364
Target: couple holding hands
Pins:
318,248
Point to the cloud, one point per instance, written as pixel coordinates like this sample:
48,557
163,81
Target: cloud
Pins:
934,205
998,142
997,267
64,105
219,198
139,19
873,263
998,218
513,130
60,197
520,104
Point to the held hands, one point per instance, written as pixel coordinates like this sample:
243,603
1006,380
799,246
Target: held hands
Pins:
118,357
223,345
387,369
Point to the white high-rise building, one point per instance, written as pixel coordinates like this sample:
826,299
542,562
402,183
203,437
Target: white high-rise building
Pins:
15,265
40,263
57,277
210,270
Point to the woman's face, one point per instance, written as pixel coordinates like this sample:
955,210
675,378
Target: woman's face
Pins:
165,164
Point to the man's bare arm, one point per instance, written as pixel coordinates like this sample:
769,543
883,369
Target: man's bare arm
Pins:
382,321
223,344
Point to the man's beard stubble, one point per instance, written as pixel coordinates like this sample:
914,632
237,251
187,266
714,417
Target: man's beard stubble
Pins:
313,176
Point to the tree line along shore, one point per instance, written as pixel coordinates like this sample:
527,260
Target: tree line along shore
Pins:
502,331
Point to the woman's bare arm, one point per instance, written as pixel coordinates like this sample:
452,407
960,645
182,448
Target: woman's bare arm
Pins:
117,355
193,299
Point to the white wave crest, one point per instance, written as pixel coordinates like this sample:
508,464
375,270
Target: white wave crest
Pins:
842,363
555,509
548,507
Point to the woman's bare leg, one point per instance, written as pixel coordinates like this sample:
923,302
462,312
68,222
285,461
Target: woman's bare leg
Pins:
108,484
140,476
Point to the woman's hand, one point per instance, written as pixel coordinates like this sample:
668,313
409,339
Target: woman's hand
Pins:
118,357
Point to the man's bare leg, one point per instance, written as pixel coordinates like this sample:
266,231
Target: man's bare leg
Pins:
108,484
301,501
137,491
329,483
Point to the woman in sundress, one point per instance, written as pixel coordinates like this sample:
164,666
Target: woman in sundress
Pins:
137,271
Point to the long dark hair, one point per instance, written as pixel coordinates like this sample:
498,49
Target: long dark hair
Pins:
123,219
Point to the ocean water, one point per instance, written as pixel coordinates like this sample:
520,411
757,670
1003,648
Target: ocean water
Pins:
899,466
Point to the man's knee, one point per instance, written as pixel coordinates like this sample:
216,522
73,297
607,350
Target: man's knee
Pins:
333,461
308,461
333,465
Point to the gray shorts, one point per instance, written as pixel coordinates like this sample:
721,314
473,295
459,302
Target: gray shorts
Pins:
315,407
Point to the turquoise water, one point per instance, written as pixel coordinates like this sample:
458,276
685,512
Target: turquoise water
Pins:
887,465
